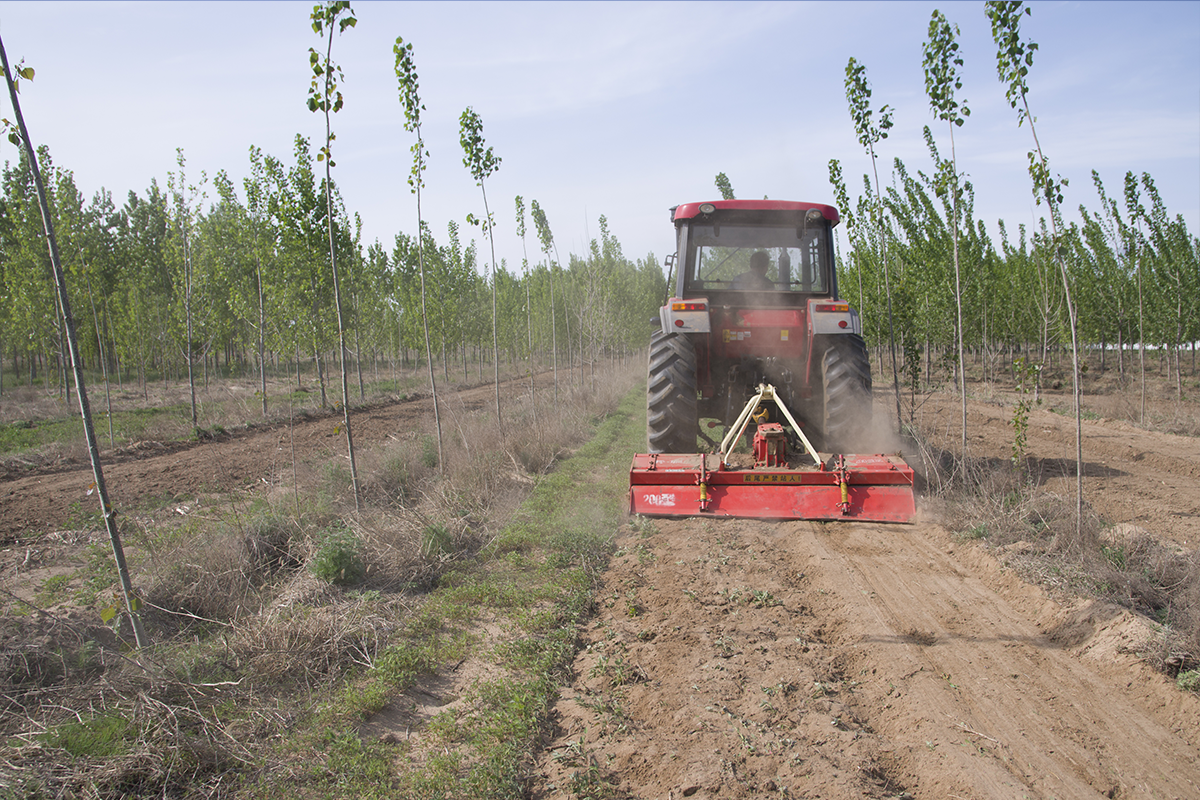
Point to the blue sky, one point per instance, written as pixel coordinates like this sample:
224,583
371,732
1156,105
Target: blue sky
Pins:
615,108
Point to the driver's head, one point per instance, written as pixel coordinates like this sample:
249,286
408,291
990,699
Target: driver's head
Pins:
759,262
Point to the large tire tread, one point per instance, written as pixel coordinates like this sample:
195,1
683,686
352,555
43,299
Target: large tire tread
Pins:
671,394
846,384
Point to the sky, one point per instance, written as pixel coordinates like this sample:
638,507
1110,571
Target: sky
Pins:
620,109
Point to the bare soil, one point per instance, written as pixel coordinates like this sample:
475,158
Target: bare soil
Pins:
46,498
736,658
732,658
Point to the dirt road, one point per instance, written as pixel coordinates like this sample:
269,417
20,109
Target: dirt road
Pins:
733,658
855,660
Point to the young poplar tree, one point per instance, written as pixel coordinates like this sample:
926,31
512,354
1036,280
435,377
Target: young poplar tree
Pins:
1126,238
1176,269
520,203
406,74
842,198
18,134
183,196
1013,60
546,237
482,162
858,95
942,80
724,186
256,206
1134,244
324,96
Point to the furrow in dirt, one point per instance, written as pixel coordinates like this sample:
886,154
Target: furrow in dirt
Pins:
732,658
54,497
1015,706
1131,475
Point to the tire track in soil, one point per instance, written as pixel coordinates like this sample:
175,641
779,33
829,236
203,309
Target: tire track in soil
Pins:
732,658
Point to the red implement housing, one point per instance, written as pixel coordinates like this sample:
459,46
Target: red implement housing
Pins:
871,488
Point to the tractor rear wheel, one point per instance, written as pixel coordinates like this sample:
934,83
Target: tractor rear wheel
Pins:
846,384
672,419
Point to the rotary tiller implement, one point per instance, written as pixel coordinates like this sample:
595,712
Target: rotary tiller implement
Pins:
874,488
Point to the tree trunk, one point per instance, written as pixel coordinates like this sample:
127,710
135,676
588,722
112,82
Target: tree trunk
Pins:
106,508
262,321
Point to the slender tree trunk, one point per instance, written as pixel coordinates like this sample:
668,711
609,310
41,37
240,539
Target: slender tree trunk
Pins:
362,390
262,322
60,280
445,360
184,212
60,323
495,325
887,286
437,419
103,361
337,302
553,330
1141,337
529,323
962,367
1075,374
317,346
1178,340
1121,350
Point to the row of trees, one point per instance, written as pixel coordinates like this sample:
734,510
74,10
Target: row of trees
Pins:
170,281
200,274
248,273
1122,254
924,270
927,273
207,273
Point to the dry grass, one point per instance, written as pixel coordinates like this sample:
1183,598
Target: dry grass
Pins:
245,631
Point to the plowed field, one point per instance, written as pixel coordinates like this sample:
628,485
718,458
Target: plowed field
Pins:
737,658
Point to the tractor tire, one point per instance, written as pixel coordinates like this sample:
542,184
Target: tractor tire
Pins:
846,390
672,420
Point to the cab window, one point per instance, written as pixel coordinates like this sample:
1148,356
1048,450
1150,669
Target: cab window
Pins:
723,258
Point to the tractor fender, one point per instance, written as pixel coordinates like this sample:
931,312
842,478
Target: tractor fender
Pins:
685,316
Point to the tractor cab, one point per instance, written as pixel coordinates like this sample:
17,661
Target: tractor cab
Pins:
757,295
755,252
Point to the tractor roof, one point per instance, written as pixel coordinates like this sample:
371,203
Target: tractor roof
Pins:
692,210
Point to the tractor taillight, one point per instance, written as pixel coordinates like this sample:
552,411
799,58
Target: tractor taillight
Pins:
832,307
684,306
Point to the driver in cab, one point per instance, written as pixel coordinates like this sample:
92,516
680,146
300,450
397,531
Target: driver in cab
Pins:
756,279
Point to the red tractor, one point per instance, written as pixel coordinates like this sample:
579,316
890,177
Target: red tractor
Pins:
756,303
756,341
